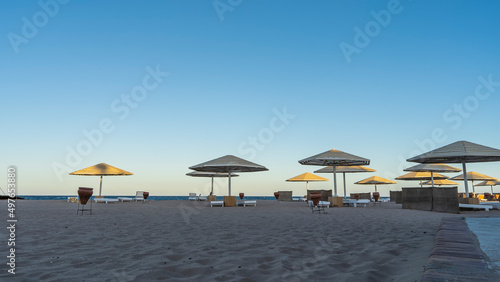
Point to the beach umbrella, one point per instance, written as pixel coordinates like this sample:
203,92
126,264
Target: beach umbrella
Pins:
334,158
459,152
344,170
375,180
441,182
228,164
211,175
421,176
101,170
306,177
488,183
473,176
433,168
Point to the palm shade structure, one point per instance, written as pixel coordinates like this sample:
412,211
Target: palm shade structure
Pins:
489,183
211,175
459,152
421,176
334,158
440,182
375,180
228,164
432,168
473,176
101,170
344,170
306,177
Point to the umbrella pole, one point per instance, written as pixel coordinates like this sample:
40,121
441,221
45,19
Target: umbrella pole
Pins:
335,179
307,185
345,190
421,183
465,179
432,179
375,187
491,189
212,192
229,183
473,188
100,187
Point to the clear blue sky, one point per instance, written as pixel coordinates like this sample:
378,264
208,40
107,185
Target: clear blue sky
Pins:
371,78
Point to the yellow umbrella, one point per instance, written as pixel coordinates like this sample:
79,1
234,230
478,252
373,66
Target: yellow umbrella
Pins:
101,170
344,170
306,177
375,180
441,182
490,183
421,176
472,175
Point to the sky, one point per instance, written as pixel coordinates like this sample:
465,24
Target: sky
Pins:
154,87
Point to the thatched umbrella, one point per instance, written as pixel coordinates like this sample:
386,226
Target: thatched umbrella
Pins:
334,158
211,175
459,152
421,176
228,164
375,180
441,182
306,177
344,170
489,183
432,168
101,170
473,176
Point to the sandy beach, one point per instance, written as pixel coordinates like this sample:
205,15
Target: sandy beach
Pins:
189,241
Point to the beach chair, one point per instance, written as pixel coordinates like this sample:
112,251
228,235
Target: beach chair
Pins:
125,199
202,198
249,203
216,203
193,197
105,200
139,196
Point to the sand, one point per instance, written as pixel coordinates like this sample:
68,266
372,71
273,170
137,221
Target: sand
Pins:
189,241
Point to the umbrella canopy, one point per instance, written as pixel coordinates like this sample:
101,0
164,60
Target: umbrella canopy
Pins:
344,170
334,158
306,177
228,164
474,176
375,180
488,183
209,174
441,182
433,168
101,170
421,176
459,152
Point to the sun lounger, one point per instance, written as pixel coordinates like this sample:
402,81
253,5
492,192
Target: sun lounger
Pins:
125,199
471,206
202,198
249,203
495,205
216,203
105,200
355,202
193,197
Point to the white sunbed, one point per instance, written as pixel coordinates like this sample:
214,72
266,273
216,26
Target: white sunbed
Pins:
105,200
216,203
125,199
471,206
249,203
495,205
355,202
193,197
202,198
